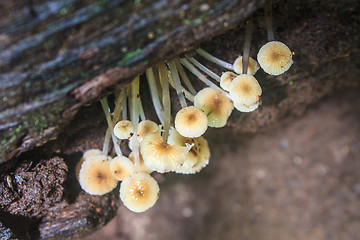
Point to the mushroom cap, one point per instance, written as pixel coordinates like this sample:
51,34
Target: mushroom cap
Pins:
121,167
203,157
161,156
226,78
176,139
143,128
124,129
215,105
139,192
275,58
245,108
95,177
253,66
245,90
87,154
191,122
142,167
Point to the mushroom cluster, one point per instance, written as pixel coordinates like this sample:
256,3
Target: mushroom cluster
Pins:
174,145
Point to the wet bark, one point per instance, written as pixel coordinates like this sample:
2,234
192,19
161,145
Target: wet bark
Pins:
56,58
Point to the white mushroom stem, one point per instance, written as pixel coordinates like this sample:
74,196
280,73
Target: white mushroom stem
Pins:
268,22
184,77
135,116
166,100
196,72
215,60
141,109
203,68
154,94
248,34
117,110
124,103
177,83
109,131
187,94
116,143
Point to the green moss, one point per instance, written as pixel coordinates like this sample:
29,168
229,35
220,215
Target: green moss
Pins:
129,56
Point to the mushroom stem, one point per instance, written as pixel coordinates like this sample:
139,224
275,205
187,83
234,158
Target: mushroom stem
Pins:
117,110
105,107
141,109
116,145
184,77
213,59
166,100
135,116
154,94
248,34
203,68
196,72
124,103
187,94
177,83
268,22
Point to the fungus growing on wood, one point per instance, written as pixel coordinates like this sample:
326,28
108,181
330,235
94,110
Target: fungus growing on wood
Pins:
245,90
161,156
95,177
191,122
216,106
275,58
139,192
253,66
124,129
121,167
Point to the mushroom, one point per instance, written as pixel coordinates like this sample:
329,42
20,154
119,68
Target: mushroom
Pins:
226,78
253,66
245,90
275,58
124,129
216,106
121,167
139,192
161,156
95,177
86,155
191,122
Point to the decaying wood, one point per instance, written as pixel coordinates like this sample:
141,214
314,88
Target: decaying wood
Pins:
59,62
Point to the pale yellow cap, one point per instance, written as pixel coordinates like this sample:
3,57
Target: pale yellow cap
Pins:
121,167
161,156
139,192
146,127
275,58
244,108
124,129
142,167
215,105
87,154
253,66
202,151
245,90
226,78
191,122
95,177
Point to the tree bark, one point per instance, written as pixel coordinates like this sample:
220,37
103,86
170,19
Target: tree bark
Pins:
56,58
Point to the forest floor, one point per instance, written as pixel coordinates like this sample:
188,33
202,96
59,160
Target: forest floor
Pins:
297,180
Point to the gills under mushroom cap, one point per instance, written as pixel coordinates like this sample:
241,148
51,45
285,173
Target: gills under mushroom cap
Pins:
142,167
139,192
215,105
245,90
253,66
86,155
161,156
95,177
275,58
124,129
191,122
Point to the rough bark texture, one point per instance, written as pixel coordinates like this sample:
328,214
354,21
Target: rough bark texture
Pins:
63,55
